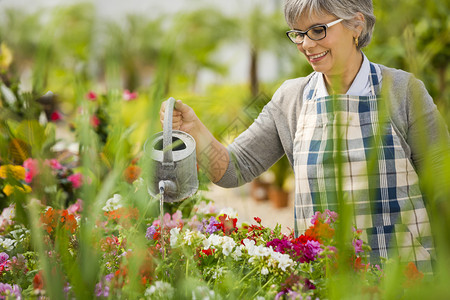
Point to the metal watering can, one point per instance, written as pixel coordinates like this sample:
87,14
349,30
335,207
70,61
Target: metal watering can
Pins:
175,165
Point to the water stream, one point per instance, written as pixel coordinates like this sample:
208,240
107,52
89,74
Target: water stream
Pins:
161,220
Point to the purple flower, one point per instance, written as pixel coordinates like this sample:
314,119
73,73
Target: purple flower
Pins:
281,246
357,244
150,232
312,249
102,288
6,289
211,228
3,257
327,217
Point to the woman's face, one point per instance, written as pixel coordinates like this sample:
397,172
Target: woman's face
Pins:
336,54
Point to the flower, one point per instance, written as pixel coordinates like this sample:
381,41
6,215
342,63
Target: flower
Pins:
95,121
32,169
160,290
132,173
357,245
150,234
56,116
17,172
8,290
91,96
113,203
76,180
76,207
128,96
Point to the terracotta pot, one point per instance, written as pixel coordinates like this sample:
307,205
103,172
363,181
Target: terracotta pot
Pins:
259,190
278,197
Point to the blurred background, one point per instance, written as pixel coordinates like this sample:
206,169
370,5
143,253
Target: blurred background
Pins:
223,58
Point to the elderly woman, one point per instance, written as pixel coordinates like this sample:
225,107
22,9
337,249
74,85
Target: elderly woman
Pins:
351,130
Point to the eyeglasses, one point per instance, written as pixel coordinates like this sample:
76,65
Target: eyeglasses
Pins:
315,33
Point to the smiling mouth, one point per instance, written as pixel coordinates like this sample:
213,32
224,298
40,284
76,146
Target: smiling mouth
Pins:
318,55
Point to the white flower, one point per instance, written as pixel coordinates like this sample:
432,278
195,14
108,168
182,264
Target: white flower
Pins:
227,246
191,236
236,255
113,203
230,212
7,244
160,290
174,234
203,292
218,272
206,208
264,271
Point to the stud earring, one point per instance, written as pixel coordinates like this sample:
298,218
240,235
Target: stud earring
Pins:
356,41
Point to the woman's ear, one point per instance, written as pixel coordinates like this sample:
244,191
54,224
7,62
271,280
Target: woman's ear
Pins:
360,23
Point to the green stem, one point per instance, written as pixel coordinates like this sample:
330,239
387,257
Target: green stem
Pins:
268,281
248,274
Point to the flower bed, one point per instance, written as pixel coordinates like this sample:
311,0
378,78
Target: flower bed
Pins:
204,255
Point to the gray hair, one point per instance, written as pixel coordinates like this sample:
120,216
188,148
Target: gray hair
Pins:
343,9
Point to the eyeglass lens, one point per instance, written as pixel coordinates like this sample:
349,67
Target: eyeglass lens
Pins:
315,33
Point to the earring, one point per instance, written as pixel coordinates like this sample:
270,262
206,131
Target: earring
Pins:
356,41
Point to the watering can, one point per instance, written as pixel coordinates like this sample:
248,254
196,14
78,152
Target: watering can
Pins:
174,162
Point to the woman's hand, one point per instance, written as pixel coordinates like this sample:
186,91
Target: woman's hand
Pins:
184,117
212,156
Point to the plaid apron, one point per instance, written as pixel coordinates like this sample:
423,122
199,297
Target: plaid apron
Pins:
376,176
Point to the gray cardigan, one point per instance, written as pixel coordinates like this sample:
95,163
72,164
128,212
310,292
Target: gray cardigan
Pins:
413,114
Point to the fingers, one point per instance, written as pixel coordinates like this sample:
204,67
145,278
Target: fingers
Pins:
177,115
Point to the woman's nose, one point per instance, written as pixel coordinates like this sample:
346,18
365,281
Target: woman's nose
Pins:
307,43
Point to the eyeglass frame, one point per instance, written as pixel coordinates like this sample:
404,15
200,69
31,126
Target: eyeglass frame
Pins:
325,26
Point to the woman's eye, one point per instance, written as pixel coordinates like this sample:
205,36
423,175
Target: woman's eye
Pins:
317,31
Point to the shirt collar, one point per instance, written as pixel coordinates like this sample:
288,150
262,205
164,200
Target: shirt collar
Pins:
360,85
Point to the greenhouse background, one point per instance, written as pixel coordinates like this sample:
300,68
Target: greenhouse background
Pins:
99,71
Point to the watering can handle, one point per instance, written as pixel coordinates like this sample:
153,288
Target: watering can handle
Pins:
167,131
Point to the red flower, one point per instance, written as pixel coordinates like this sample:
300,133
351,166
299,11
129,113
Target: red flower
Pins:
95,121
55,116
38,281
258,220
91,96
228,225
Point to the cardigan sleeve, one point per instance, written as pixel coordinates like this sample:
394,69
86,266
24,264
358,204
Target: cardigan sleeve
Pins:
255,150
427,133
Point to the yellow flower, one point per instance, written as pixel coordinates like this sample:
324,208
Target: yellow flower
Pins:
18,172
9,189
6,57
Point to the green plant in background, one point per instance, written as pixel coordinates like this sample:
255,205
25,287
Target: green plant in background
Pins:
109,156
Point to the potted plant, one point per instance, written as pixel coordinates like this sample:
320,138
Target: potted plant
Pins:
278,193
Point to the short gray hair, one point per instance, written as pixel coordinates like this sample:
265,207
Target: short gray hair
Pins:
343,9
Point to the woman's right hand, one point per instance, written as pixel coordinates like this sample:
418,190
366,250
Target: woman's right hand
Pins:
184,117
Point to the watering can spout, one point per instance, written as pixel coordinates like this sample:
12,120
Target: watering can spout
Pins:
167,186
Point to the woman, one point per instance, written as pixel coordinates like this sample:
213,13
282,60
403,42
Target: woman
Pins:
353,133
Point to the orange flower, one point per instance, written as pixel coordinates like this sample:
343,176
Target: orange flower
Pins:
412,274
132,173
320,231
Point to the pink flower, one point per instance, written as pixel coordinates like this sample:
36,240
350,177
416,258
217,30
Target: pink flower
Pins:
55,116
357,244
91,96
54,163
31,166
76,180
128,96
170,221
76,207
